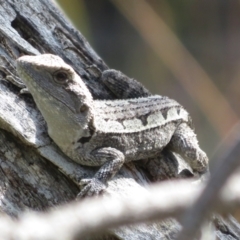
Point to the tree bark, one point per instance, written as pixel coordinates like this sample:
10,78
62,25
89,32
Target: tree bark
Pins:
36,175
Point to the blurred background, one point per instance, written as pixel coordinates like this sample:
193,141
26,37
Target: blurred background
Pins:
188,50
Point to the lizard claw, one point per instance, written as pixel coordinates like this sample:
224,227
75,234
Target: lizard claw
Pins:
91,187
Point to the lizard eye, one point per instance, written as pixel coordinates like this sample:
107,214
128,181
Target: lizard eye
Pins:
61,77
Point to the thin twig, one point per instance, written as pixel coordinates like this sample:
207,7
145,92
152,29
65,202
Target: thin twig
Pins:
180,61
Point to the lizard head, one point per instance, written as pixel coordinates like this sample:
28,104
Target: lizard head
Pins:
56,88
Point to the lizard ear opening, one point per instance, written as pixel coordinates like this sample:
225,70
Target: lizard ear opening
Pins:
84,108
61,77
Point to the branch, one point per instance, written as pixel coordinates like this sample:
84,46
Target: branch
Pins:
79,219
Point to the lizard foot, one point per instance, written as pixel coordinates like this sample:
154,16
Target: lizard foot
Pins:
91,187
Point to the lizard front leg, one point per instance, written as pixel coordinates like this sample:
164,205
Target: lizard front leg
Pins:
111,160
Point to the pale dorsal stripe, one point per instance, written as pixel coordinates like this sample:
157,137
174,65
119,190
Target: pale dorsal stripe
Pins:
135,125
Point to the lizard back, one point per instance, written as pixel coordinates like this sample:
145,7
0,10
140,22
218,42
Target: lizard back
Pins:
136,115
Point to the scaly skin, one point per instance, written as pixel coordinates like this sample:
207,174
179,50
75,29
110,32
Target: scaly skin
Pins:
106,133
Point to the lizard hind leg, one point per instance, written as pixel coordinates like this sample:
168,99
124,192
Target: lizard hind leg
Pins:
123,86
110,160
185,143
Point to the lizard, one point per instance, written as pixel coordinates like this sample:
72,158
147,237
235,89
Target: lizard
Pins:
106,133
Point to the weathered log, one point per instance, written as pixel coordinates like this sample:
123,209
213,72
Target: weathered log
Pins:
35,173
